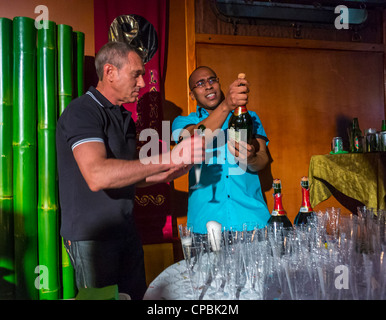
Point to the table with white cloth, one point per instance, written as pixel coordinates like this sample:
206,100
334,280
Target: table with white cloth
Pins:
172,284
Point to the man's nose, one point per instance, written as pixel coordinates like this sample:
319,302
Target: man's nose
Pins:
141,82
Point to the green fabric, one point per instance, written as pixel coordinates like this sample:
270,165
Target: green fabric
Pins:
358,176
105,293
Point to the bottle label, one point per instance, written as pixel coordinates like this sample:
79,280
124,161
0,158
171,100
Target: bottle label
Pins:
305,209
278,213
234,134
356,143
278,209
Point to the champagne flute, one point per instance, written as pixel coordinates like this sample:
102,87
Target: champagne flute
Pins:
198,167
186,236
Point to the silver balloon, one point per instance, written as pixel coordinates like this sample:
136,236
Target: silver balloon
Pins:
136,31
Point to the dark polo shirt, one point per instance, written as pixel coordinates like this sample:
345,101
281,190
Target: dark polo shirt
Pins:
87,215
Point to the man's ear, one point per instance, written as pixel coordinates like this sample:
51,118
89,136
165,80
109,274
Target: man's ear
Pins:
192,95
109,71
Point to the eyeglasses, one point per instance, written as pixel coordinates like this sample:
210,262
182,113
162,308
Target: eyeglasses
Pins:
202,83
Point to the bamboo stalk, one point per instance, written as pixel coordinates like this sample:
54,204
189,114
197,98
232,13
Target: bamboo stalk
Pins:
79,62
48,237
68,274
65,92
24,156
6,185
65,76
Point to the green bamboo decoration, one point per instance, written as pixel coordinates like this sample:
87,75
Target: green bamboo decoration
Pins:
80,62
65,76
24,157
65,92
48,236
6,186
68,275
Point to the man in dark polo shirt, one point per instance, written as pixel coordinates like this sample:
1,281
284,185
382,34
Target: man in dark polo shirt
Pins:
98,172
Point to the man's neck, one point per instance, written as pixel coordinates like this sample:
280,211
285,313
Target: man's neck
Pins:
107,93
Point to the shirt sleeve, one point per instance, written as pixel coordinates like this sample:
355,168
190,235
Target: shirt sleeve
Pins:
82,123
258,129
181,123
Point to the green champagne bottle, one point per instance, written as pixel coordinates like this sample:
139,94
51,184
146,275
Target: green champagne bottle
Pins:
382,137
240,119
356,139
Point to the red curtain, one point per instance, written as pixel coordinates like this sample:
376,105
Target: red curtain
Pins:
152,207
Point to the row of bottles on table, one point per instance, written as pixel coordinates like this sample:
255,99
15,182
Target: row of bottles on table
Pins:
279,215
371,141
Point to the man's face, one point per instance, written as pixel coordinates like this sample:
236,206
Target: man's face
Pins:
208,95
129,79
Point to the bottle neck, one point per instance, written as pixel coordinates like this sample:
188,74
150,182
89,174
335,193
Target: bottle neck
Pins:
278,209
306,204
240,110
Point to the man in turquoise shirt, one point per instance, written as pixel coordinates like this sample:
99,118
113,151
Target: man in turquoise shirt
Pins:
231,191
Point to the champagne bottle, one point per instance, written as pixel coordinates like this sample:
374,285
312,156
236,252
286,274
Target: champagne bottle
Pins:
279,214
305,210
356,142
240,119
201,130
382,137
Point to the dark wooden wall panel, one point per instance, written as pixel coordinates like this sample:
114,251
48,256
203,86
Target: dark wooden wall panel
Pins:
304,98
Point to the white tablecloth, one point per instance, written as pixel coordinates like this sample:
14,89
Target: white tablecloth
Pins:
172,284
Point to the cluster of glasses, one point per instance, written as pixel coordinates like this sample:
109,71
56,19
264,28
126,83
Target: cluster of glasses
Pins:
331,257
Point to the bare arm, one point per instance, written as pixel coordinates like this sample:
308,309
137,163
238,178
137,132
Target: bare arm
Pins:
237,95
101,172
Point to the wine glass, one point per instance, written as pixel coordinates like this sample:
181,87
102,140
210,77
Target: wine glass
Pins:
198,167
197,172
195,268
186,236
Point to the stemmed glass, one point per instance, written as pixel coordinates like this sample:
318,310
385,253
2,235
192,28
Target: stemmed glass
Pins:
198,167
197,172
196,268
186,236
250,259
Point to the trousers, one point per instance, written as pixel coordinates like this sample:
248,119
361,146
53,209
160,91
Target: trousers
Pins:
101,263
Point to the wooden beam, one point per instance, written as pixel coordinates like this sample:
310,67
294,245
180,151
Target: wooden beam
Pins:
190,46
288,43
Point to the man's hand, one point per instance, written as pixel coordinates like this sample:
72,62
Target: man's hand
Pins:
253,155
168,175
241,150
189,150
237,94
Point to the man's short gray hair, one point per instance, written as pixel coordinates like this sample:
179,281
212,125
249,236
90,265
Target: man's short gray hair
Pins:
114,53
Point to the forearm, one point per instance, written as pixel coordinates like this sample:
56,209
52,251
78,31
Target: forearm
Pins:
216,119
258,162
115,173
253,156
101,172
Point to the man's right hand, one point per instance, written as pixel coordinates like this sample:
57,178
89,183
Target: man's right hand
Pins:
237,94
191,150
